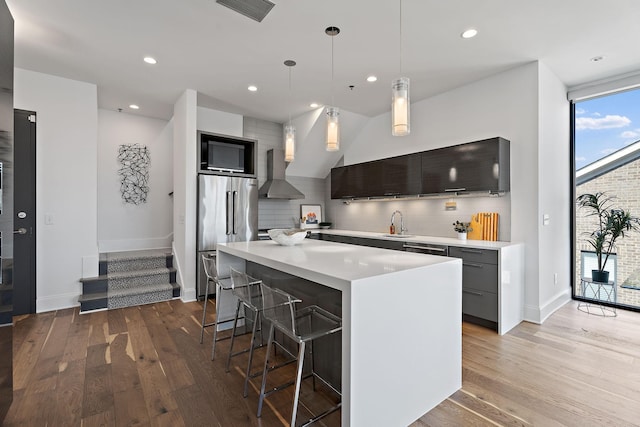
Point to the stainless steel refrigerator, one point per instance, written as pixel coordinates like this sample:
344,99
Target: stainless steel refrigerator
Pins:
227,212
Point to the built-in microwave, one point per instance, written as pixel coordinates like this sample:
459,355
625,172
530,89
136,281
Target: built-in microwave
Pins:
221,154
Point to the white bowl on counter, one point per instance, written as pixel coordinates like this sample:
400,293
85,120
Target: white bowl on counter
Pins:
287,237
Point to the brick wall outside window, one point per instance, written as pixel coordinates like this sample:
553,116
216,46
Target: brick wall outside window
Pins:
622,183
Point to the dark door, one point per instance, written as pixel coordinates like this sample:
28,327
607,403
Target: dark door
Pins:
24,243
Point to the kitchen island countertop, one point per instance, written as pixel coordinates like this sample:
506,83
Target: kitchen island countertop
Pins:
401,319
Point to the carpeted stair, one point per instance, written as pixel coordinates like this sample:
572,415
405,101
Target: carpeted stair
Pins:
130,278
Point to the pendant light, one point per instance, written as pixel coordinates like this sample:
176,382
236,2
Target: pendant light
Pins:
289,130
333,114
400,106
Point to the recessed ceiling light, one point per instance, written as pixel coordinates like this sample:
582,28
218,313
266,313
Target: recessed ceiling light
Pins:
597,58
252,88
150,60
314,105
134,107
372,79
470,33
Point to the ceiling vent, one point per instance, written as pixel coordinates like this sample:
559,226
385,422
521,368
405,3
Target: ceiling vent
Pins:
254,9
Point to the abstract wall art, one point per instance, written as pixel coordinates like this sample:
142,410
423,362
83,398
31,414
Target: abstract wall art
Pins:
134,173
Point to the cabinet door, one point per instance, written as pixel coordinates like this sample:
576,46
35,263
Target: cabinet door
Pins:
488,256
340,183
359,180
378,243
475,166
401,176
480,276
481,304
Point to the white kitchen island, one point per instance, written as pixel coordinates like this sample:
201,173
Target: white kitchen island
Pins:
401,317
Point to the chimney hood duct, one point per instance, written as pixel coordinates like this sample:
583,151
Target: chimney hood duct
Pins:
276,187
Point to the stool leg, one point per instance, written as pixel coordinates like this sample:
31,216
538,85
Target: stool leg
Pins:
233,334
204,311
264,371
253,339
296,396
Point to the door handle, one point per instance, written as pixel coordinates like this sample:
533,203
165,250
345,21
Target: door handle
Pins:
233,218
228,232
20,230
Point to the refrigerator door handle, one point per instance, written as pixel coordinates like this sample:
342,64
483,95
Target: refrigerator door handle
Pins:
228,217
235,204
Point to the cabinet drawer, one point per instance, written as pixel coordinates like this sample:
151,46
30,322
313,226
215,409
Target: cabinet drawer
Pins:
487,256
480,276
480,304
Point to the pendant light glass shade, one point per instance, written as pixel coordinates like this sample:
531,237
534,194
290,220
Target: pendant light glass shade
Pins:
289,130
289,143
333,129
333,114
400,106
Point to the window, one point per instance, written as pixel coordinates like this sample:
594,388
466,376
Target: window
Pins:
606,146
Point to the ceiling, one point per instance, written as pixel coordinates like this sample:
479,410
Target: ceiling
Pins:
202,45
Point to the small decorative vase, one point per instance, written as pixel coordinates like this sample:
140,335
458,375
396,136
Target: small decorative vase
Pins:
600,276
462,235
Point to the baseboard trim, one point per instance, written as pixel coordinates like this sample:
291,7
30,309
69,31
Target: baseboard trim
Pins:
538,315
57,302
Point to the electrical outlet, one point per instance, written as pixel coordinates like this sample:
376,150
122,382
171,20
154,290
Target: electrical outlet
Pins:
555,278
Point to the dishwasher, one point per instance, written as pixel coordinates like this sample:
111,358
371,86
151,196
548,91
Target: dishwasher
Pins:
426,248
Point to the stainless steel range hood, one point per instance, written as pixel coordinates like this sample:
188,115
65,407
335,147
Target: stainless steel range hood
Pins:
276,186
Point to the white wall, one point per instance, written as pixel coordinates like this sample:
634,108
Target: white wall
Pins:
220,122
553,195
66,183
125,226
507,105
188,118
184,192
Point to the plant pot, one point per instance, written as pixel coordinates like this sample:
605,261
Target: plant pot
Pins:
600,276
462,236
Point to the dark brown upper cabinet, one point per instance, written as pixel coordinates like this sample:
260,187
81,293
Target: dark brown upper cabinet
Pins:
480,166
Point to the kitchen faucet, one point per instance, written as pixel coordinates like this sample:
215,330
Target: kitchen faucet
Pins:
393,216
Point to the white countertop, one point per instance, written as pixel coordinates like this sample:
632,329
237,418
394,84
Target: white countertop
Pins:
333,264
479,244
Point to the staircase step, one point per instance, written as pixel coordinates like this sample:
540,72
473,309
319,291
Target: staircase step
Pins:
93,301
128,279
137,296
135,260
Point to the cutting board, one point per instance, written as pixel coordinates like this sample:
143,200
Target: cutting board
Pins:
476,227
485,226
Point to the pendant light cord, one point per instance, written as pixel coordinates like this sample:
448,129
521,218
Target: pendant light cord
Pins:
289,96
400,38
332,103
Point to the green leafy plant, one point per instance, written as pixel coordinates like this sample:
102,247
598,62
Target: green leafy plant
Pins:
462,227
612,224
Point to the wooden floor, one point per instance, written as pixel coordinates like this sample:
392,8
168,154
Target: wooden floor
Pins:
145,366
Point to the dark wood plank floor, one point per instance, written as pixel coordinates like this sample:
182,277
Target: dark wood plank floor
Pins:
145,366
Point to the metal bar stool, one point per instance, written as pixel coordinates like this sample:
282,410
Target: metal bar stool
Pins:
248,290
221,284
302,326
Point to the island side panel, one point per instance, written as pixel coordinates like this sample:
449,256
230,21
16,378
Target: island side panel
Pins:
511,288
406,344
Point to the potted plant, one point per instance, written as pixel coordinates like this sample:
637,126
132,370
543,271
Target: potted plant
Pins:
612,223
462,228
